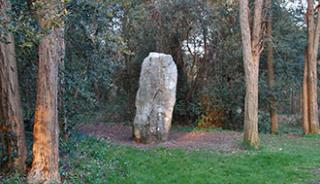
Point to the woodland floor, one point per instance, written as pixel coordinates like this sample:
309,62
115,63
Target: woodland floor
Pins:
222,141
102,153
184,138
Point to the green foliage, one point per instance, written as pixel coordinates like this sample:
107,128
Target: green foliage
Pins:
13,179
106,42
26,35
93,49
264,122
289,40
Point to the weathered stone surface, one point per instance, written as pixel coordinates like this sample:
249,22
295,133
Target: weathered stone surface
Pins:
155,98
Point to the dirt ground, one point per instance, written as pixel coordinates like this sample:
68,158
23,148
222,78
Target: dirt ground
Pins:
222,141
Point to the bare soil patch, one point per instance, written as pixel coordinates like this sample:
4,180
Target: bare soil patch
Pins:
222,141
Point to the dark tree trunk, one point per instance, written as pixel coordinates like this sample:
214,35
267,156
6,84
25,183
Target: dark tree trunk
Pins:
271,76
11,121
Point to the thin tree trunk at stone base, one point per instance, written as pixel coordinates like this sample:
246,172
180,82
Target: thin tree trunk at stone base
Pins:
270,67
46,128
11,121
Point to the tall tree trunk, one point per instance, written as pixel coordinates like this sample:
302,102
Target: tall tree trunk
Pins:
251,103
305,96
251,55
270,68
11,120
46,127
312,81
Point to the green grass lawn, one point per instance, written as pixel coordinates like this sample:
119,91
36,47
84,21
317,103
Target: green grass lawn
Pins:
280,160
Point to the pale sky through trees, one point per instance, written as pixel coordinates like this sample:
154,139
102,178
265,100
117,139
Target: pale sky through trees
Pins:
295,3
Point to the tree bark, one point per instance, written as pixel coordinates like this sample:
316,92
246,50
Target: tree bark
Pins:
45,162
312,81
11,121
305,99
46,127
251,47
270,68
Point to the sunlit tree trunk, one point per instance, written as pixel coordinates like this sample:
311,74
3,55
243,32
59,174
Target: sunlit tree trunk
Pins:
46,127
270,68
11,121
311,70
252,47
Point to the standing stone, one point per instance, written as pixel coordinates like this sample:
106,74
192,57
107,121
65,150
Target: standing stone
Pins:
155,98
